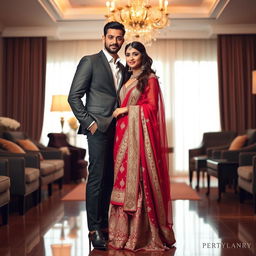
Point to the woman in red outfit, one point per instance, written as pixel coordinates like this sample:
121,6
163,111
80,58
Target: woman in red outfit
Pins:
140,215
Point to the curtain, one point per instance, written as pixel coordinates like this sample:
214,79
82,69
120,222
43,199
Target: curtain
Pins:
236,60
187,71
1,76
189,81
24,66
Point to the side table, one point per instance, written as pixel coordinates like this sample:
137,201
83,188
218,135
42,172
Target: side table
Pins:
224,171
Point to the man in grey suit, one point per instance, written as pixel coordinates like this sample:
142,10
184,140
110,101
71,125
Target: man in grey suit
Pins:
99,77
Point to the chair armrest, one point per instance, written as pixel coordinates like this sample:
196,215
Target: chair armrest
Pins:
82,151
230,155
246,158
195,151
249,148
32,159
210,150
51,153
4,168
233,155
9,154
216,154
17,175
254,175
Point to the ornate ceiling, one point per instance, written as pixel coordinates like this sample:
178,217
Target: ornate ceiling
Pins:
84,19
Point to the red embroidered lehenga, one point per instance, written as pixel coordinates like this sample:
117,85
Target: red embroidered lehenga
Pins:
140,215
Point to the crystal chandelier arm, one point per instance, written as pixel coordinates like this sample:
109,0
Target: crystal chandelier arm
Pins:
160,23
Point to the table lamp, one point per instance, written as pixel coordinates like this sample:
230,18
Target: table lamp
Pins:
254,82
61,249
60,104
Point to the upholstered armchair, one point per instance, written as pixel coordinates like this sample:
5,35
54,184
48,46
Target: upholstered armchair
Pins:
24,177
232,155
75,165
51,162
247,176
210,142
4,190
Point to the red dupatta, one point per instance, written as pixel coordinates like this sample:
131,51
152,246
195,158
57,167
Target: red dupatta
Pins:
140,154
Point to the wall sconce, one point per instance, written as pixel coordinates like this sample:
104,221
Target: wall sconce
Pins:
60,104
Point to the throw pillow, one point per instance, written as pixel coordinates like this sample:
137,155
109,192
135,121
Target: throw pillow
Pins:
11,146
238,142
29,145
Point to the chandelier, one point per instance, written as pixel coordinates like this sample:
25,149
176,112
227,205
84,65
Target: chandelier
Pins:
140,19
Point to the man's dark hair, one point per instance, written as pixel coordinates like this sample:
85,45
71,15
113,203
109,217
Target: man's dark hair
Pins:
113,25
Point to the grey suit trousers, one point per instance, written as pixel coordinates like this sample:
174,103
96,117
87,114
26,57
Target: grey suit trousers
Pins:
100,179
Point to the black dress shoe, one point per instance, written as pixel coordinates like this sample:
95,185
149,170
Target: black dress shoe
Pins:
97,240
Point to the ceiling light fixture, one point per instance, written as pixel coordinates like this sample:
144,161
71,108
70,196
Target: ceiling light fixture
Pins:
140,19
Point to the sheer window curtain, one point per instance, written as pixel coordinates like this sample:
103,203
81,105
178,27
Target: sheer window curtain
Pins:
187,70
189,81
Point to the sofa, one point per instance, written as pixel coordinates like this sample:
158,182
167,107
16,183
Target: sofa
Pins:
50,160
247,177
4,190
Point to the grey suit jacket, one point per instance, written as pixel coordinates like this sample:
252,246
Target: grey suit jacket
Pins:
94,79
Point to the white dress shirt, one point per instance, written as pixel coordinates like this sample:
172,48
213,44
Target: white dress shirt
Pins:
114,68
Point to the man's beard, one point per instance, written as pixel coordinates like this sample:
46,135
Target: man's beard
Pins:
112,51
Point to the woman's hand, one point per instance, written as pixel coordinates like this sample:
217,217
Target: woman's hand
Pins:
120,111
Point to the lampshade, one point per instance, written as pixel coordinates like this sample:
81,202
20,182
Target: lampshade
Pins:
61,249
254,81
60,103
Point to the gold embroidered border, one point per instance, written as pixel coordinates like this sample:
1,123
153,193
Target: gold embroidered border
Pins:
117,195
159,204
132,179
153,173
120,153
135,94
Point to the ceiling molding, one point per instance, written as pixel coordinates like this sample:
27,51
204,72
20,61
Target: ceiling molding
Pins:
93,30
52,12
234,29
30,32
218,8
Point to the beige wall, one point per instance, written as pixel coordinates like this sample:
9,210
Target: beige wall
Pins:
1,73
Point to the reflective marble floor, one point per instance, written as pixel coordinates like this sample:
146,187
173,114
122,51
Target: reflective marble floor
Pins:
202,228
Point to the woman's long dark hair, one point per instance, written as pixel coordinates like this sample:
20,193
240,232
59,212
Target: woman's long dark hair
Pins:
146,65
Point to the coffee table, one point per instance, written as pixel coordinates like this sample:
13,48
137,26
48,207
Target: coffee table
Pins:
224,171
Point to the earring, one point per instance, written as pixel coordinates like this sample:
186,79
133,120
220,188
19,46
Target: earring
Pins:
143,67
129,69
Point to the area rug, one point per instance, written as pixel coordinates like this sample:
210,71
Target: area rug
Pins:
179,191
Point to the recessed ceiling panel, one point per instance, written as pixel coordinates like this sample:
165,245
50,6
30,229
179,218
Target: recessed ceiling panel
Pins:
95,3
72,10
